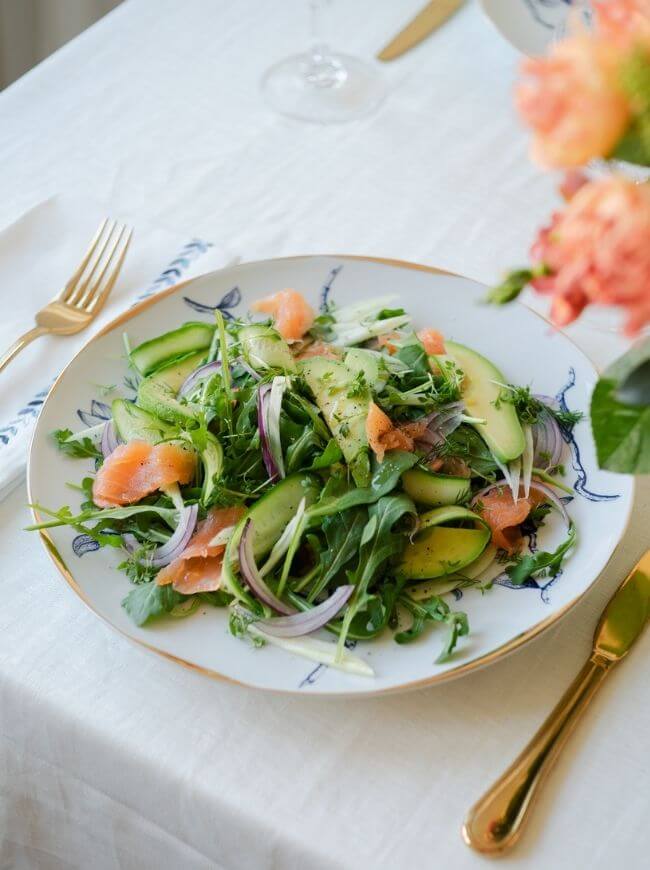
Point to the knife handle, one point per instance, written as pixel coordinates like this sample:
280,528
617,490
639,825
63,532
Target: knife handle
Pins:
494,824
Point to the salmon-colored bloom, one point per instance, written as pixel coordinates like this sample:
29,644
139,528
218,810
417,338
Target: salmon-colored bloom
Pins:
597,251
573,102
625,23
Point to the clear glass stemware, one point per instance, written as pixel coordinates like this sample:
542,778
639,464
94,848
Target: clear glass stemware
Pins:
321,85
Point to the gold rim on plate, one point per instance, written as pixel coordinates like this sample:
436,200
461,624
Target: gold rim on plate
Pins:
462,669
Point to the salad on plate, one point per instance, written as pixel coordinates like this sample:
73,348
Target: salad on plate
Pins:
325,479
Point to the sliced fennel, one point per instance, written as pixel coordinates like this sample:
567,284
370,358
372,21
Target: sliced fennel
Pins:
282,544
317,651
93,432
527,459
278,388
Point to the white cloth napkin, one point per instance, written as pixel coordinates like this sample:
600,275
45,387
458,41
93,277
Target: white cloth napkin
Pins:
38,253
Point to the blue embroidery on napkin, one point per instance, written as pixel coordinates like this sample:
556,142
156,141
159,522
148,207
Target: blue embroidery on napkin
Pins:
23,419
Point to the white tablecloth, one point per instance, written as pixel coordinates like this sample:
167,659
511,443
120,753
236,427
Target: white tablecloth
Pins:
112,758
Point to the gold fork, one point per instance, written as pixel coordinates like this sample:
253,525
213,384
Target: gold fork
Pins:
84,295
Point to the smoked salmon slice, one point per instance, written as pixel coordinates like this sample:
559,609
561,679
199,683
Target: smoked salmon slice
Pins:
198,568
320,348
136,469
383,435
290,311
433,341
504,516
387,340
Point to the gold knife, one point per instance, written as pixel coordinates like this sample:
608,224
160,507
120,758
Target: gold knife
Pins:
425,22
494,824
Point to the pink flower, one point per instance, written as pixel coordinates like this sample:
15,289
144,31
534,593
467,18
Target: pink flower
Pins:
597,251
573,180
572,101
625,23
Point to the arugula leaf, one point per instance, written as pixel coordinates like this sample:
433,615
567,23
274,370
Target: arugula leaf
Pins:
415,357
64,517
381,544
466,444
434,609
149,600
343,535
79,448
385,313
330,455
534,563
385,478
621,429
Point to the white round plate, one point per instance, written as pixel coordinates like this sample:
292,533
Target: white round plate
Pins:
529,25
520,342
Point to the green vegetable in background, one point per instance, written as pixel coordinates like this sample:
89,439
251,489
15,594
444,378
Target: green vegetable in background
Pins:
620,413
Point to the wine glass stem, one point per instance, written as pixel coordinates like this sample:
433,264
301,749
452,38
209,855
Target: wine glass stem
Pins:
325,69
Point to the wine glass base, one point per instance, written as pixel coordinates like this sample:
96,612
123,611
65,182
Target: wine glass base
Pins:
331,89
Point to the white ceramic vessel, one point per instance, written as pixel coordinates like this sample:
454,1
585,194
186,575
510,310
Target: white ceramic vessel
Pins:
520,342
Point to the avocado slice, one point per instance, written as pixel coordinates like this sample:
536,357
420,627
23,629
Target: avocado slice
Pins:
344,405
157,393
502,430
441,550
431,489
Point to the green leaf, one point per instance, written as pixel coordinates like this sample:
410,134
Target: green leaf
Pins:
466,444
149,600
381,544
343,536
385,478
510,287
621,430
330,455
535,563
81,448
433,609
415,357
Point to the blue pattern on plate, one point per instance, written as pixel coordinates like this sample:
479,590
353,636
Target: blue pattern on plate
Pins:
580,486
537,9
326,288
231,300
84,544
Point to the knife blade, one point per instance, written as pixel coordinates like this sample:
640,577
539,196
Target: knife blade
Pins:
626,614
425,22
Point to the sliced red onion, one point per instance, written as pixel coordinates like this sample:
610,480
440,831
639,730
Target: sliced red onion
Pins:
557,503
263,396
249,369
190,382
251,574
311,620
547,436
172,548
441,423
109,440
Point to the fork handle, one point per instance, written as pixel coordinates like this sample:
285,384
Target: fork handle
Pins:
18,345
494,823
